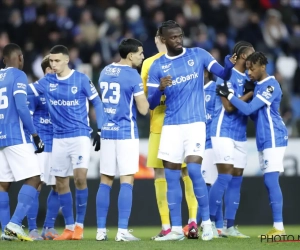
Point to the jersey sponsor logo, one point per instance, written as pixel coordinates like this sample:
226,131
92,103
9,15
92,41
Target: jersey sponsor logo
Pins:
74,90
21,85
112,71
2,136
183,79
208,116
191,62
167,66
207,98
2,76
240,81
45,120
110,128
64,102
270,89
53,86
266,94
110,110
93,89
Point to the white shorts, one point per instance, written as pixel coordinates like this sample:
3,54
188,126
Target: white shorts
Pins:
119,157
69,154
209,169
18,162
229,151
271,159
45,165
179,141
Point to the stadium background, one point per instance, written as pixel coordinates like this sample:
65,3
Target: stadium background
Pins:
92,30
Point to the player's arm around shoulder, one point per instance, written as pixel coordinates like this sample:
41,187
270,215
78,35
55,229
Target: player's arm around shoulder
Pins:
228,106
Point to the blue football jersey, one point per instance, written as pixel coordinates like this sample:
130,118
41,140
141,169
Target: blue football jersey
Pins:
210,96
271,131
118,86
67,101
41,119
232,125
185,97
12,81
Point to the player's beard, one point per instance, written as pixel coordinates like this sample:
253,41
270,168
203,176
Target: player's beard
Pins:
174,51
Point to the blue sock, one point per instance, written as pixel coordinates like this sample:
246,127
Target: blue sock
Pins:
66,204
81,204
174,195
200,189
52,209
102,204
275,196
5,209
33,212
216,193
124,205
26,196
219,216
199,211
232,199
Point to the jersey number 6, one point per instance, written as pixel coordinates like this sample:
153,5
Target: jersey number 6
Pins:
111,92
3,99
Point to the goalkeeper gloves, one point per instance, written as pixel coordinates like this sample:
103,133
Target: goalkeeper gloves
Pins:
248,87
223,90
39,144
97,140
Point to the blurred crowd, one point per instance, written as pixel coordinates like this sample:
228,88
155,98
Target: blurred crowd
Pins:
92,30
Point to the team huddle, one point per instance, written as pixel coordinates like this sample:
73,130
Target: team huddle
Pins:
197,133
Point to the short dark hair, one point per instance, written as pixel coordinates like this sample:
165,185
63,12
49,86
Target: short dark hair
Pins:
57,49
240,47
170,24
258,57
10,48
45,63
128,46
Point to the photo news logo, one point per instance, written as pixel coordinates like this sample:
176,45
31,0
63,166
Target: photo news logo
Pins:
279,238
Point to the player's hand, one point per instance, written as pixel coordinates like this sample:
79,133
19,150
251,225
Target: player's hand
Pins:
231,59
248,87
223,90
97,140
165,82
39,144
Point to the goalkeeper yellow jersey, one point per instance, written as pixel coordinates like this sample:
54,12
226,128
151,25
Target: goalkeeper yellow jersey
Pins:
158,114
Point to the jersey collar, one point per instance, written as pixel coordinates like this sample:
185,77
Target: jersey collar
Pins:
65,77
266,79
174,57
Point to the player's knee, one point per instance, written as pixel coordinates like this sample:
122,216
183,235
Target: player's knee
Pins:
4,186
34,181
80,182
159,173
193,159
237,171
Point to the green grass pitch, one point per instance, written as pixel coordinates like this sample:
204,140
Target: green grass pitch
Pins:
89,242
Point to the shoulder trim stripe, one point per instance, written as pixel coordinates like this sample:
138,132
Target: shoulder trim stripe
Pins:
33,89
211,64
93,96
264,100
20,92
